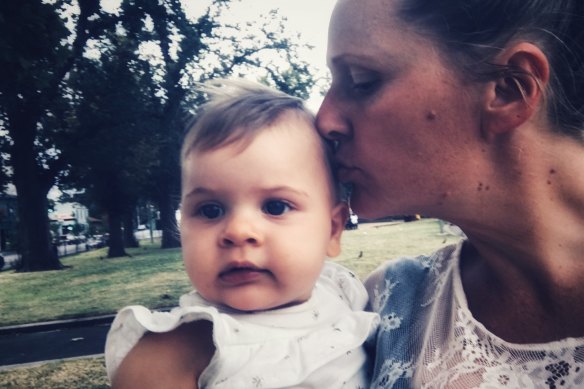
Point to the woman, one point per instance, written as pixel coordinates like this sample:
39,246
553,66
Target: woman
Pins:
472,112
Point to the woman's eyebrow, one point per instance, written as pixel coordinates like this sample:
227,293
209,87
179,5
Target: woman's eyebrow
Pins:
365,60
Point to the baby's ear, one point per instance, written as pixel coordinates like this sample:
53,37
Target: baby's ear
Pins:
339,216
513,98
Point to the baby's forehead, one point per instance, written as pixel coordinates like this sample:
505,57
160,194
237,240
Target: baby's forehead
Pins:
293,145
316,146
289,122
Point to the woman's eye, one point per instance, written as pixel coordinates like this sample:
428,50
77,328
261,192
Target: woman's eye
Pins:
211,211
362,82
364,87
276,207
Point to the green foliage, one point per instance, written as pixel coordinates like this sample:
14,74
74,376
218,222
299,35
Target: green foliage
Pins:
110,150
30,48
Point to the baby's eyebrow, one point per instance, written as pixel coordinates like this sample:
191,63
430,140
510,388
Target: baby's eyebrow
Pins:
285,188
199,190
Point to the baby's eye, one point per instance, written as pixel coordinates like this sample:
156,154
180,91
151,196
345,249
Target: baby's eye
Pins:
211,211
276,207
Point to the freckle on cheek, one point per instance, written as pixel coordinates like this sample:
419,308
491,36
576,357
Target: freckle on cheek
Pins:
431,115
443,197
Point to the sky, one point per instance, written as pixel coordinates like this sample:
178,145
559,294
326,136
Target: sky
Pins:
310,18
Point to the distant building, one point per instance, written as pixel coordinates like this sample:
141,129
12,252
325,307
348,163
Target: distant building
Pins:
69,220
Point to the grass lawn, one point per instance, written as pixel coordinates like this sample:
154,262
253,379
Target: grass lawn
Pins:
85,373
92,285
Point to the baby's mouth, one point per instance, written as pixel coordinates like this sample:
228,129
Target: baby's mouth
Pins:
239,275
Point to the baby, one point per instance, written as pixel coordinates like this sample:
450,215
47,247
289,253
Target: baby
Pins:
260,213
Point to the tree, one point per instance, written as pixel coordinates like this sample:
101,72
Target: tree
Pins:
52,93
193,52
37,51
110,148
137,91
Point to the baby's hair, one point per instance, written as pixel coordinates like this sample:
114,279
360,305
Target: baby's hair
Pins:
236,111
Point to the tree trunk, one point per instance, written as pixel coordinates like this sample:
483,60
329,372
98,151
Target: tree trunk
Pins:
169,179
168,205
129,237
34,241
116,238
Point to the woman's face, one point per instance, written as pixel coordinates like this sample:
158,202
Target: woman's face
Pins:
406,123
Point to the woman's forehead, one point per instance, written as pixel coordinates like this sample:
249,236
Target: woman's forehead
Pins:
366,15
368,29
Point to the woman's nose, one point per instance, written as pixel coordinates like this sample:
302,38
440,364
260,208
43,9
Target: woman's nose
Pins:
330,119
239,231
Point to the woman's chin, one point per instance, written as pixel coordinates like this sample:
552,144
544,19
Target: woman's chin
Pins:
365,206
369,207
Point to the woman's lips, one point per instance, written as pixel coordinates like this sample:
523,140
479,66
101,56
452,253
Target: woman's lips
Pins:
344,173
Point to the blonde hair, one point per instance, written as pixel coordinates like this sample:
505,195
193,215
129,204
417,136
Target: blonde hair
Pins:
237,110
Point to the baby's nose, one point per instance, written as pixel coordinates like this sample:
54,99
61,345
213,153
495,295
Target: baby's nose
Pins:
240,231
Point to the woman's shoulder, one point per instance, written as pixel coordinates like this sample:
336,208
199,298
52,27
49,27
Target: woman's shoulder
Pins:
171,359
415,267
406,278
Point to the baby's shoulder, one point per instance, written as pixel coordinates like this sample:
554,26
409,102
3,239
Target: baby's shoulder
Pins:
173,359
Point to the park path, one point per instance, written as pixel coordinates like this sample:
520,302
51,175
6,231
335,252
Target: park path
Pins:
49,341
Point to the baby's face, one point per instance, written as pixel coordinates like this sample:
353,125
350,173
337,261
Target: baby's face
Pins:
258,222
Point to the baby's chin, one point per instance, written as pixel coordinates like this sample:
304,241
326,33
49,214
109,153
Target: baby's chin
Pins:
258,306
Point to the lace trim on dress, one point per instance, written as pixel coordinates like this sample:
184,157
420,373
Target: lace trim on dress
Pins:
461,353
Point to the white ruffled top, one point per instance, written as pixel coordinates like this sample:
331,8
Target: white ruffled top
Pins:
317,344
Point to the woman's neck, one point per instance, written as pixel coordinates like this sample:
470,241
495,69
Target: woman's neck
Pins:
524,277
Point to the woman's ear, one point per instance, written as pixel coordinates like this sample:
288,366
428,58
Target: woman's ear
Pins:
515,96
339,216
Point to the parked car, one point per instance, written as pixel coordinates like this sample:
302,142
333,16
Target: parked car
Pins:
95,242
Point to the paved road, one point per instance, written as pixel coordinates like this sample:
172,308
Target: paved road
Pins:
17,348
